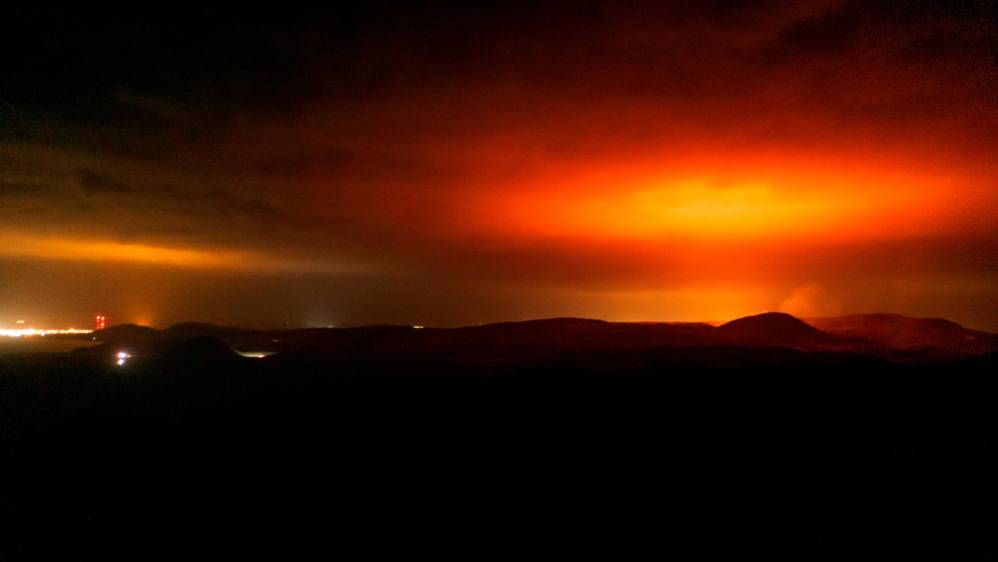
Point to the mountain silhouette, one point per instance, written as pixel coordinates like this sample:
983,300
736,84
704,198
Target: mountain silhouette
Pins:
778,329
904,332
126,332
891,336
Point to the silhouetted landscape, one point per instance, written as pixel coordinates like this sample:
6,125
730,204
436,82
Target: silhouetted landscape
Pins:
766,429
708,280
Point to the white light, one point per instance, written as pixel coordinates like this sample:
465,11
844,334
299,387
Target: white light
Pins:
417,327
122,357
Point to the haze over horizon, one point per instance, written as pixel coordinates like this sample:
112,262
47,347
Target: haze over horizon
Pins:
455,165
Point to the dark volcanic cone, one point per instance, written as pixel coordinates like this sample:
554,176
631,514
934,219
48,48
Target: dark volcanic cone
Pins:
776,329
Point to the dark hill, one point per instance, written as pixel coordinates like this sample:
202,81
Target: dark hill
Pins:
126,332
544,323
776,329
903,332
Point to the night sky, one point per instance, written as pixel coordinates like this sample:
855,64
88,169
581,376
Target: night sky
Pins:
457,164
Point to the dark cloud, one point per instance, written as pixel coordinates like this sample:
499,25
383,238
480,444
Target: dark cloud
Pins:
826,34
93,183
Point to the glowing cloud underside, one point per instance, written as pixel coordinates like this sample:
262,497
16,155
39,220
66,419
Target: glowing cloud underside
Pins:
820,206
57,248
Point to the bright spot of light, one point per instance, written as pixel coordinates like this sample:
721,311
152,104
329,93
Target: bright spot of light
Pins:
417,327
122,357
255,354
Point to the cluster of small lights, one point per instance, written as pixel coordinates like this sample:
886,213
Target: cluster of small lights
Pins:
29,332
122,356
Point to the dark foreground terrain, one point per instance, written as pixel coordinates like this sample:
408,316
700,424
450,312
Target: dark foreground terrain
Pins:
692,451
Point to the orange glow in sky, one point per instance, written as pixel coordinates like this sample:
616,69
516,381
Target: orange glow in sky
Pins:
822,205
82,249
677,161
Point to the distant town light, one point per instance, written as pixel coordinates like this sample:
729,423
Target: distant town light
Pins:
417,327
122,357
31,332
255,354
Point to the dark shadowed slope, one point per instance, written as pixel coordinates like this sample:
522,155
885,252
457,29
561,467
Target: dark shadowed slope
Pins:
189,330
903,332
572,334
504,342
